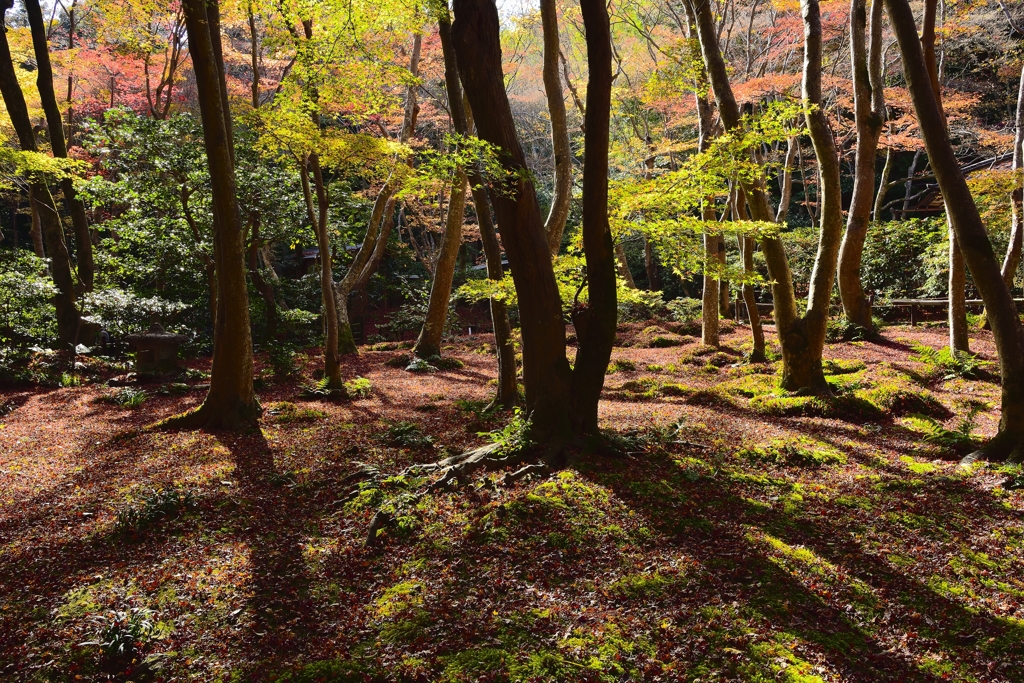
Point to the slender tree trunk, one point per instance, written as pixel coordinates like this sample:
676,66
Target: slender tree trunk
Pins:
358,275
805,341
971,235
869,108
266,291
332,355
546,372
710,294
429,342
883,185
462,118
651,265
1013,250
747,246
623,265
55,126
231,402
562,194
786,181
595,321
69,320
36,233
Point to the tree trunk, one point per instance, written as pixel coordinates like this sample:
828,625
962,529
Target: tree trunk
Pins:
971,235
651,265
724,297
364,264
883,186
622,264
36,233
318,217
562,192
546,372
1013,250
265,289
231,402
869,109
69,320
710,294
55,126
595,321
429,342
958,340
462,118
747,246
786,181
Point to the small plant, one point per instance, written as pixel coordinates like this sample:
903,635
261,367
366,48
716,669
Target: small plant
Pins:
408,434
69,380
289,412
419,365
514,437
948,363
960,438
282,359
358,387
322,390
157,506
123,633
128,397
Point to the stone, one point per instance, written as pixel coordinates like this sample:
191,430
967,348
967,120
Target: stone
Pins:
156,351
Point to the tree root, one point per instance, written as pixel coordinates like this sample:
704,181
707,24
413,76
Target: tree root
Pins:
1005,446
210,415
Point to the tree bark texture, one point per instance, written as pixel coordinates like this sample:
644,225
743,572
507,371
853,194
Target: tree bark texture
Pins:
971,234
869,111
55,126
546,371
595,321
562,191
69,320
231,401
1011,261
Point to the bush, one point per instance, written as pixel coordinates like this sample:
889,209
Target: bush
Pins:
638,304
685,310
282,358
358,388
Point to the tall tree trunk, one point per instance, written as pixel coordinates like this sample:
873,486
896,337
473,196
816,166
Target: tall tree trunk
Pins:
595,320
332,357
231,402
805,347
786,181
429,342
55,126
724,299
869,110
1013,250
562,191
69,320
971,234
462,118
546,371
710,294
36,232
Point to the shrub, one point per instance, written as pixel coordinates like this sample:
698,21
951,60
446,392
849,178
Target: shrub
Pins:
800,451
358,388
638,304
685,310
282,358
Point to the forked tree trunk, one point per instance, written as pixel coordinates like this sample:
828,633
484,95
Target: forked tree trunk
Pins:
429,342
595,321
55,126
69,320
231,402
972,236
869,111
372,250
802,338
562,191
546,371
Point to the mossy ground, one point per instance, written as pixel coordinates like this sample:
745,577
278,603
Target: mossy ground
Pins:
729,544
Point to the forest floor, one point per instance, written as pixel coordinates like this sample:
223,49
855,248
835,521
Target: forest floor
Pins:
746,536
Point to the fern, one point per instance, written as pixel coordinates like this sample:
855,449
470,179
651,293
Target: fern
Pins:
949,363
962,437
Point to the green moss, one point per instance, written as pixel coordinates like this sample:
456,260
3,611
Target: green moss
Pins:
645,585
898,400
842,406
750,386
674,389
709,397
478,663
842,367
800,452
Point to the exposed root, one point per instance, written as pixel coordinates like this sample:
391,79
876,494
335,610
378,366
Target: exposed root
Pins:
537,468
380,521
1005,446
210,415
